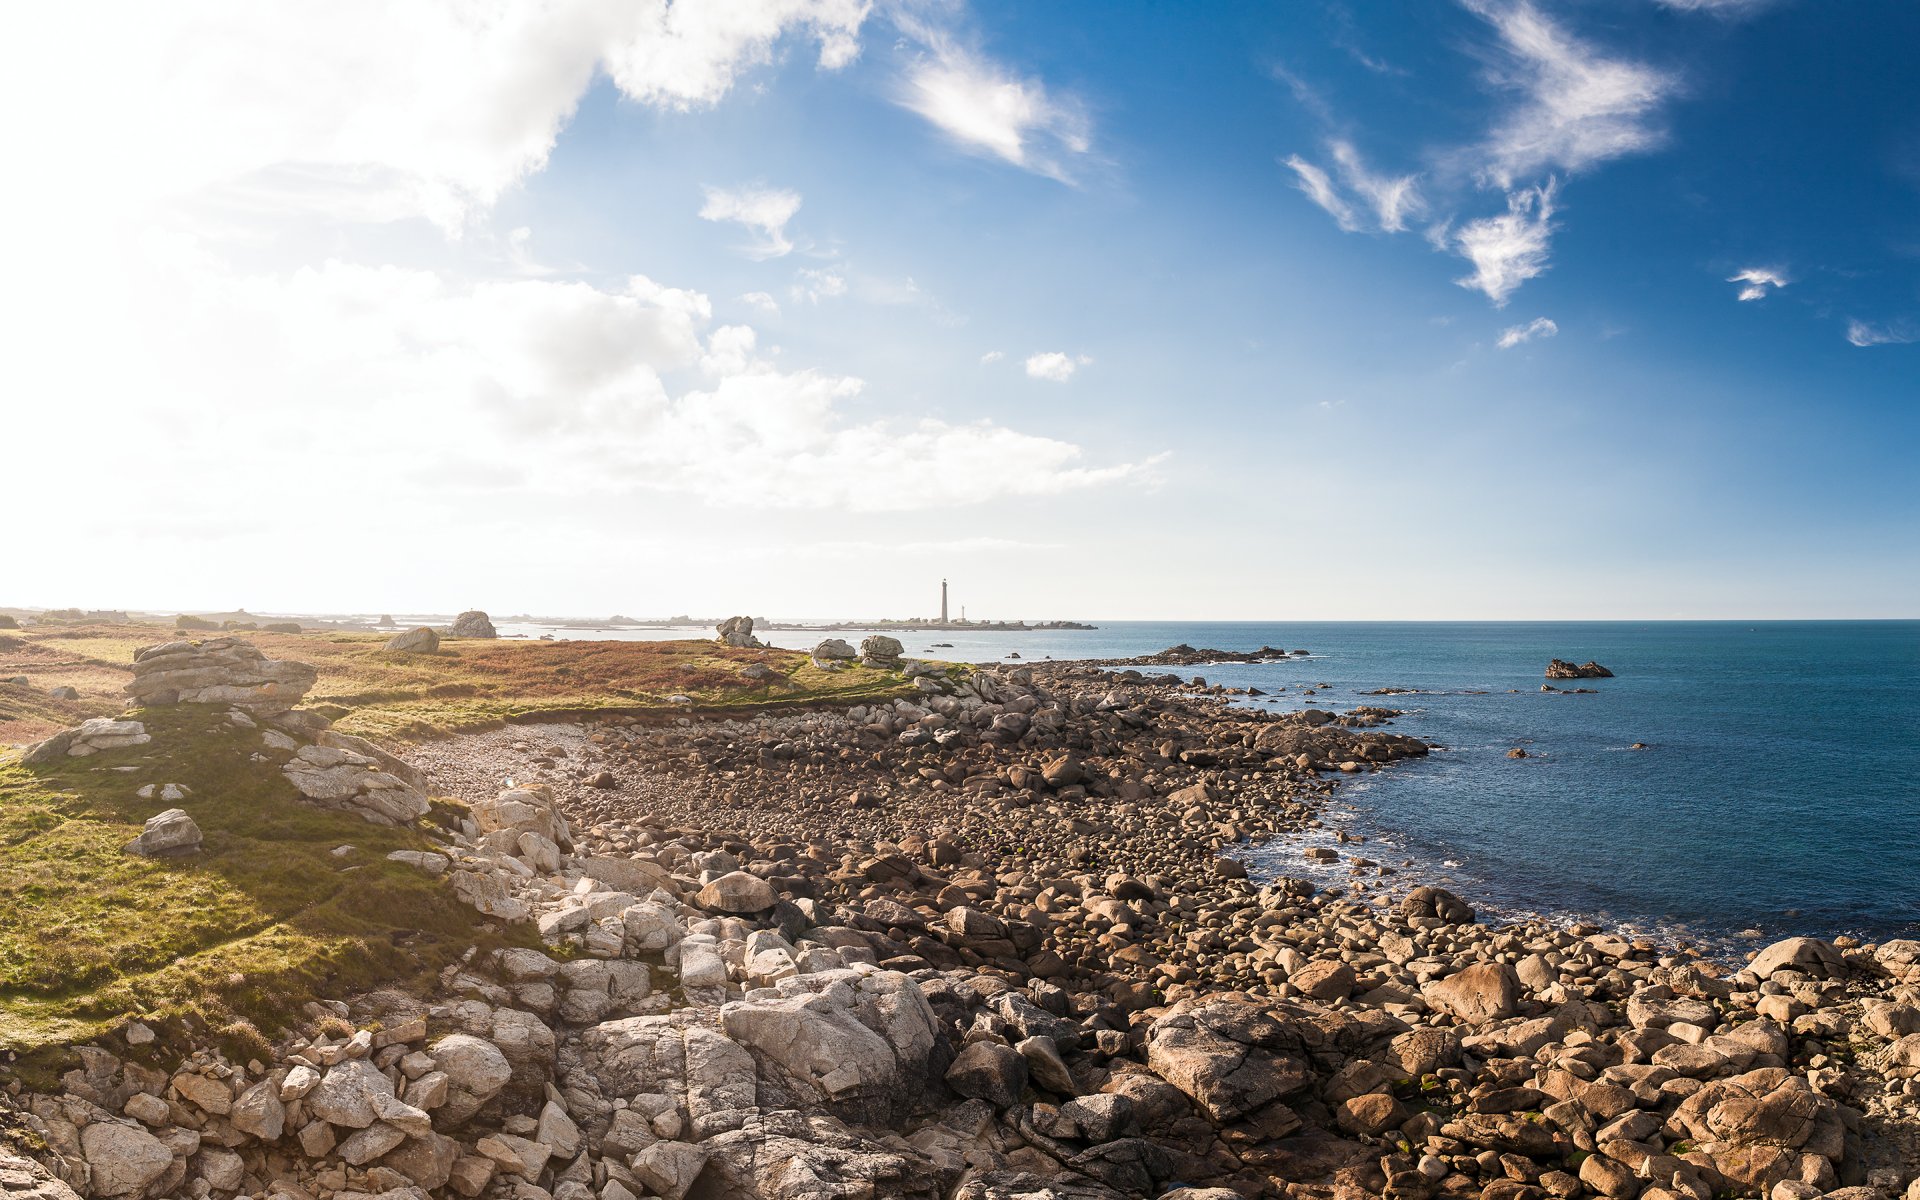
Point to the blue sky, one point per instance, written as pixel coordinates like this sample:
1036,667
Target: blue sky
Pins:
1317,311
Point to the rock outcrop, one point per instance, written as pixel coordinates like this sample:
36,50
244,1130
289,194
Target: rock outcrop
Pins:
225,670
879,650
472,624
88,738
738,632
833,653
1560,668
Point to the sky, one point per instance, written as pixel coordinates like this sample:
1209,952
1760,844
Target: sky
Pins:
1444,309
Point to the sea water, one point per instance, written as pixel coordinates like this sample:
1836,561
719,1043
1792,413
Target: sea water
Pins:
1779,791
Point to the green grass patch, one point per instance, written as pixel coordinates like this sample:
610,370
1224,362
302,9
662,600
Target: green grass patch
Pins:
263,919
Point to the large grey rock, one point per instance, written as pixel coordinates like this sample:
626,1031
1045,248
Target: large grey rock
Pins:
225,670
834,650
476,1072
172,832
1229,1058
123,1159
738,632
472,624
349,781
862,1041
880,650
990,1071
419,640
528,809
28,1180
85,739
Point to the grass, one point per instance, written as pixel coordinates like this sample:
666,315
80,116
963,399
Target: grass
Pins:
467,685
241,935
245,931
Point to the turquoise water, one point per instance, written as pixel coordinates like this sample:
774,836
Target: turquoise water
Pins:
1780,791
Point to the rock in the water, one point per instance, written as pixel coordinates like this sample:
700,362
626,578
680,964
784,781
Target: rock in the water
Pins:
224,670
472,624
169,833
1560,668
736,892
419,640
738,631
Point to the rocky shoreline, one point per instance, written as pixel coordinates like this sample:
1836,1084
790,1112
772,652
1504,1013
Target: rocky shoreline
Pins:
994,943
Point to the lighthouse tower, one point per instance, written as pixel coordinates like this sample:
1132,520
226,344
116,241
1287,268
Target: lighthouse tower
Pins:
943,602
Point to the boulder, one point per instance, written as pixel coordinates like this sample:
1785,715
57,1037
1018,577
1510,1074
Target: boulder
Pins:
224,670
737,892
64,692
124,1159
472,624
1809,956
834,650
172,832
881,651
476,1071
527,809
1483,992
419,640
1230,1058
1437,904
738,632
990,1071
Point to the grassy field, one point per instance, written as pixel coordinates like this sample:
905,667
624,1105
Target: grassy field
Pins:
402,697
236,938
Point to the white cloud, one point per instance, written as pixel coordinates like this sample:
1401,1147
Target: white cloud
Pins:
764,210
1393,199
1899,333
1054,366
1577,106
991,356
1509,249
1539,327
1319,188
1757,280
815,284
1725,8
762,301
988,110
358,110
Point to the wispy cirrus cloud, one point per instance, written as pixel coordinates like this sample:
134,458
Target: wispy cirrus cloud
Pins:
1536,329
1391,199
1756,281
1509,249
764,210
1894,333
1720,8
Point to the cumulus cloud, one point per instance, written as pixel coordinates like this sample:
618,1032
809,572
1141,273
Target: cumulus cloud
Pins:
763,210
989,110
1539,327
1897,333
1508,249
1576,105
361,111
1055,366
1756,280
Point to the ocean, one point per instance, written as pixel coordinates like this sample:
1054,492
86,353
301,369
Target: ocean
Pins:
1779,792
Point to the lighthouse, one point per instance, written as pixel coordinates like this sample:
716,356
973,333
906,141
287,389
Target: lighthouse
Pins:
943,602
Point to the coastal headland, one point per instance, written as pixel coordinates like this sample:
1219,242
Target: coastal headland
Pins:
612,921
